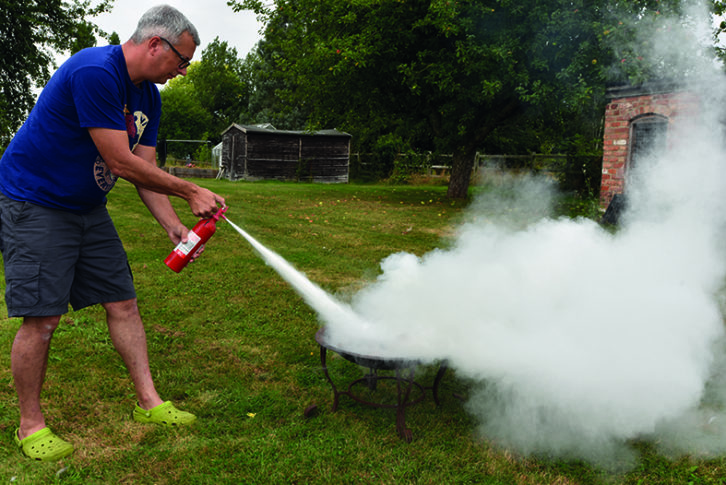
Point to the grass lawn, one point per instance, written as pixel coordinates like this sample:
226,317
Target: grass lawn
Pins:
230,341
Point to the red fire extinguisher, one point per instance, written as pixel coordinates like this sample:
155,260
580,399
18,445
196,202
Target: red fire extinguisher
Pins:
198,236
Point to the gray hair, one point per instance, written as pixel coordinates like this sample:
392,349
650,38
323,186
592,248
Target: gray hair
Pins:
164,21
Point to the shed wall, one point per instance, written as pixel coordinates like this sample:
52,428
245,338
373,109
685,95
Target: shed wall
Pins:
324,159
255,155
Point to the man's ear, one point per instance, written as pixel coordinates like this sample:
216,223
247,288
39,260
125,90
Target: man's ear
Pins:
155,44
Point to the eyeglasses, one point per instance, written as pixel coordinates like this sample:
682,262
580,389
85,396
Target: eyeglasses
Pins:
185,61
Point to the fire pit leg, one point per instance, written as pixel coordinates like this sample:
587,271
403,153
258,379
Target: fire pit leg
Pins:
323,356
439,375
403,431
371,379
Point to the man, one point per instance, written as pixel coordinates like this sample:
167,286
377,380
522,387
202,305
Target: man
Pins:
96,120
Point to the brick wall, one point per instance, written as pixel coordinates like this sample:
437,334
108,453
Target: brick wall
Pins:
619,115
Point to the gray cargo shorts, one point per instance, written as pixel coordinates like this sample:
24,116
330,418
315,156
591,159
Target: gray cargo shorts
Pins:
55,258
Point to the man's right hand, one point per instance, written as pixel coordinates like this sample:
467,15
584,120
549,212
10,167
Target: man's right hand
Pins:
204,203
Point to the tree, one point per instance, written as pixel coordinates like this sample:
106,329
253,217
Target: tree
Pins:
451,75
30,32
213,95
220,85
265,105
182,115
719,11
114,39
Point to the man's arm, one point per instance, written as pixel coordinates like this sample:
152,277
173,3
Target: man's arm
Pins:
113,145
159,204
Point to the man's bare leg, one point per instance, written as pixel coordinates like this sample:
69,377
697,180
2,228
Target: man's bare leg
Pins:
129,338
29,361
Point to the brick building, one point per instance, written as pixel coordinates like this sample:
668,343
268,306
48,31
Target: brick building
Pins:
637,122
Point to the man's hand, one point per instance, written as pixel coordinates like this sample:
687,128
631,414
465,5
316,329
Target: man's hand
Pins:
180,233
204,203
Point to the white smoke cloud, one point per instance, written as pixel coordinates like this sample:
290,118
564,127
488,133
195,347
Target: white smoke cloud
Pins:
576,339
579,339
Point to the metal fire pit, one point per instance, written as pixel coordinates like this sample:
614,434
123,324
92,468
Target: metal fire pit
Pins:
404,385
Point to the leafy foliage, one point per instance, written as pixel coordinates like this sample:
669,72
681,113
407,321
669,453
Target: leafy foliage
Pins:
265,104
458,76
212,95
30,33
220,84
657,41
182,117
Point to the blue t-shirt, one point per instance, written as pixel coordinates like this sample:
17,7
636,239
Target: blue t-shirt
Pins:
52,160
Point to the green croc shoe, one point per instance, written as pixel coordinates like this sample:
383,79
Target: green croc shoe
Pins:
44,445
164,414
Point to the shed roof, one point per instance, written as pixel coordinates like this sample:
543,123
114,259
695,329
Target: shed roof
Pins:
271,130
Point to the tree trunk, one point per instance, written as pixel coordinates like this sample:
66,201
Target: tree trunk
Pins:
461,167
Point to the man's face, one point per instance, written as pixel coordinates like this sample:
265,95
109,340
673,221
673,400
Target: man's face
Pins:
168,61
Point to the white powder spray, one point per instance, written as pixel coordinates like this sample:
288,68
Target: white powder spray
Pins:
577,339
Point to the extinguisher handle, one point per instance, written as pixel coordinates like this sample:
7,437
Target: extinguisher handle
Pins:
220,213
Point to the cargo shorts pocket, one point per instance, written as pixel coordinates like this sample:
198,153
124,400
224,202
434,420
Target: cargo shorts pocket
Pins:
23,282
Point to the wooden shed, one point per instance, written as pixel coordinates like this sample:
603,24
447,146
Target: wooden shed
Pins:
264,153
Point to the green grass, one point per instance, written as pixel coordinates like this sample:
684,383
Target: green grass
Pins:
230,341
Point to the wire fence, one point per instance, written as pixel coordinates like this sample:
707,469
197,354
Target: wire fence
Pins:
580,173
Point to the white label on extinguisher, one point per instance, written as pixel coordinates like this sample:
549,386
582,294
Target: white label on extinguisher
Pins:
192,240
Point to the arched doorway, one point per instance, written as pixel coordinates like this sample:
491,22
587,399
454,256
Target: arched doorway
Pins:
648,134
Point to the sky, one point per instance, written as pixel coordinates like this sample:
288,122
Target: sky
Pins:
212,18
